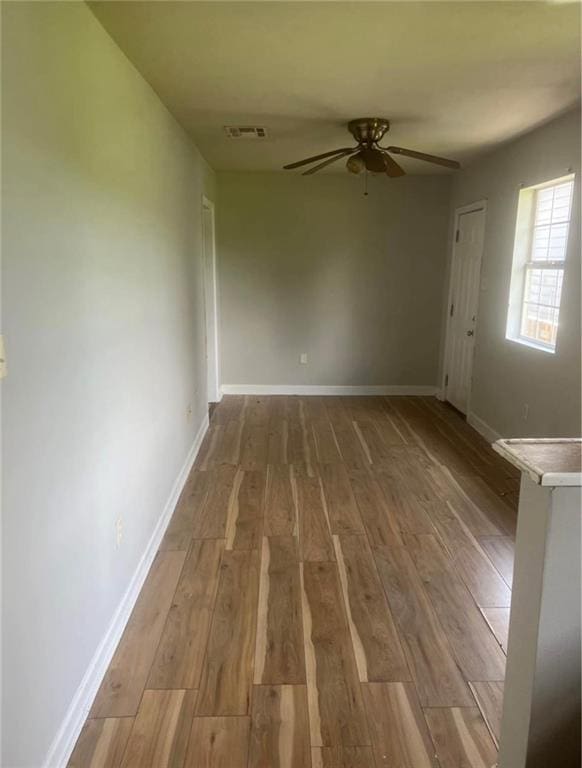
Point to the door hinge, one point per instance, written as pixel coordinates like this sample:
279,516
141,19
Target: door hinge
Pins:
452,310
446,379
457,235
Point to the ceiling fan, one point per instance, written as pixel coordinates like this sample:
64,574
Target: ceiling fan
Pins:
368,155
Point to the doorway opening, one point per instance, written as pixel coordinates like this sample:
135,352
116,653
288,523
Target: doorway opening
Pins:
210,302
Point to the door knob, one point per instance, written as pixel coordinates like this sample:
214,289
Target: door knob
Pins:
470,333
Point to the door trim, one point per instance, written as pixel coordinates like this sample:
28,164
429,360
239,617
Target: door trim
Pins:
211,318
478,205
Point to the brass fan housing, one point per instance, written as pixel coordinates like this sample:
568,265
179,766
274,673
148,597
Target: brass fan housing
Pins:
368,130
368,155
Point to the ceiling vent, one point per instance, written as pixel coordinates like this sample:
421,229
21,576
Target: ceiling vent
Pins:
245,132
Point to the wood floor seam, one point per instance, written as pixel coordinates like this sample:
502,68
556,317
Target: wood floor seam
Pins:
332,592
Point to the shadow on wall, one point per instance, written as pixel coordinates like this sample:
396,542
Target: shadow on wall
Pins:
560,745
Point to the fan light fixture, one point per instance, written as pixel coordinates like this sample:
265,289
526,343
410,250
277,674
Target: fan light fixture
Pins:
368,155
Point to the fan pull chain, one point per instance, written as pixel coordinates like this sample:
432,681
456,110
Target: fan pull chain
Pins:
366,183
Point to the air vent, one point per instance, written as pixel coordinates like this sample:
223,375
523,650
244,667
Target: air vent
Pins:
245,132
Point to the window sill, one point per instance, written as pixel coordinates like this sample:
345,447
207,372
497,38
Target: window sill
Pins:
531,344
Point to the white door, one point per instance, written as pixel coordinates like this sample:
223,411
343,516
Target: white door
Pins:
463,304
210,301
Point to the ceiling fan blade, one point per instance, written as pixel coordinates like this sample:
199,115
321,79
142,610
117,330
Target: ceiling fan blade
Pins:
355,163
374,160
328,162
392,168
308,160
423,156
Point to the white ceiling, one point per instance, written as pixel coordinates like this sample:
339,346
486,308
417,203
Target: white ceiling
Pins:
454,78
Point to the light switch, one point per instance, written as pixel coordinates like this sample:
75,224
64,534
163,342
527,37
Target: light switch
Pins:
303,358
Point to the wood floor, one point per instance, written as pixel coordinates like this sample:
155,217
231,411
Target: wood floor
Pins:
333,591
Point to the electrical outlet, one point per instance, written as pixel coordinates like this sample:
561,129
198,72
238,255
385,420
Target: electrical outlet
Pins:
189,412
525,411
118,532
303,358
2,358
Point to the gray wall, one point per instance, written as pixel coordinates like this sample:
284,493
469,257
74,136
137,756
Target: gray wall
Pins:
103,320
311,265
507,375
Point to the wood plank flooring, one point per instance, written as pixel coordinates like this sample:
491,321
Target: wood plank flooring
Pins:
332,592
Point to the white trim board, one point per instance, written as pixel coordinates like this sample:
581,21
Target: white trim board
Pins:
68,733
317,389
483,428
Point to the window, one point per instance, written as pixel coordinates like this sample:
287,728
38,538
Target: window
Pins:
541,240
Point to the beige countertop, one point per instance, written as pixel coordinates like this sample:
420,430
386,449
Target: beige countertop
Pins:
548,461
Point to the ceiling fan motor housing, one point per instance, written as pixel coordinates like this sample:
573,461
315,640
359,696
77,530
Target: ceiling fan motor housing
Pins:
368,155
368,130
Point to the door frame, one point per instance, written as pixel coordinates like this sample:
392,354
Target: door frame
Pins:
212,347
478,205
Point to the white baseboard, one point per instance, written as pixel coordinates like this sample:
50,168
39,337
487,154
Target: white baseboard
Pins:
482,427
317,389
68,733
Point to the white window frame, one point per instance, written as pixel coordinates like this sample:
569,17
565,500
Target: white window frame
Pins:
523,262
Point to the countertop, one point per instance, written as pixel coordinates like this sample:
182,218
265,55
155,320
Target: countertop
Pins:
548,461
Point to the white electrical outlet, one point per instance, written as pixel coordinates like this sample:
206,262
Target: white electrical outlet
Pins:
118,532
2,358
525,411
189,412
303,358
